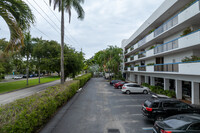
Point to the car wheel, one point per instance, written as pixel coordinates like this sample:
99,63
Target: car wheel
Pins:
119,87
159,118
128,92
145,92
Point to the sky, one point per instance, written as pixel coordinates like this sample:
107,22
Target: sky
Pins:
106,22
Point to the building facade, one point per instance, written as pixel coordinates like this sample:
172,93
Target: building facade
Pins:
165,50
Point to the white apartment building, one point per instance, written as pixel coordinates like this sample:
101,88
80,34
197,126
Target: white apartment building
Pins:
165,50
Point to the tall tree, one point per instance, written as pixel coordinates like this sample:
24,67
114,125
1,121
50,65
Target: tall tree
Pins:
38,53
67,5
26,52
18,17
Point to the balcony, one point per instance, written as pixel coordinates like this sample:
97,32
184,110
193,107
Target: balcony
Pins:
179,18
166,46
132,68
189,68
167,68
132,58
142,68
141,55
166,26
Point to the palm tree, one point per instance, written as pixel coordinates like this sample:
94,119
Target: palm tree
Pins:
18,17
67,5
26,52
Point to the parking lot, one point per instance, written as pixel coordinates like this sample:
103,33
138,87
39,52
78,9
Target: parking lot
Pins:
99,108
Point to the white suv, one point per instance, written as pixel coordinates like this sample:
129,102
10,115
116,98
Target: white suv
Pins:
134,88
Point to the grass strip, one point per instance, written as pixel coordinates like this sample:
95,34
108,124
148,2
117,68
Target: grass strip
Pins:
11,86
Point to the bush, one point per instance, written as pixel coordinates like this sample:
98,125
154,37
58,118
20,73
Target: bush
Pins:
29,114
159,90
83,79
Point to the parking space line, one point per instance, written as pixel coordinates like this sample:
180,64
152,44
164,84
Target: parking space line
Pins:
147,128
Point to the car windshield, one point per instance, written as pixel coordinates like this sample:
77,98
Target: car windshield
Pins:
175,124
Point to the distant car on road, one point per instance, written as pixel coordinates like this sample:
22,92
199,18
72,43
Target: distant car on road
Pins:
160,108
18,77
134,88
114,81
185,123
119,84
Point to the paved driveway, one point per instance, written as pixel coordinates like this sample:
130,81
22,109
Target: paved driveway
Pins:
99,108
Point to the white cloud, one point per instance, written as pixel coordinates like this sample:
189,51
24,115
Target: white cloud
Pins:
107,22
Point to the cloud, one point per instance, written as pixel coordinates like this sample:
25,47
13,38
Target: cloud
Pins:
107,22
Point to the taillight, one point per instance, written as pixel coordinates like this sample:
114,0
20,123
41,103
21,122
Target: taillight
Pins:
149,109
123,87
163,131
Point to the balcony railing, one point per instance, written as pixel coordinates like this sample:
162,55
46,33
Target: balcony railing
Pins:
142,68
141,55
166,46
167,68
132,68
167,25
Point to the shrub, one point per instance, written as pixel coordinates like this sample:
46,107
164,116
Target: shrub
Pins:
159,90
29,114
145,85
83,79
186,31
150,64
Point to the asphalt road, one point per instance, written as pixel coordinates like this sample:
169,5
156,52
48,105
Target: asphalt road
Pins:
99,108
12,96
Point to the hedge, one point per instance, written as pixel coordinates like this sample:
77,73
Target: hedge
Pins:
27,115
159,90
83,79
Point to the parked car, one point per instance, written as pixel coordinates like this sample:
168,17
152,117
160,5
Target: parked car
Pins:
134,88
31,76
18,77
114,81
119,84
24,76
184,123
160,108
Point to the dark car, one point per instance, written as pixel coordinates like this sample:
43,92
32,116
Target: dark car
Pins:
119,84
114,81
160,108
184,123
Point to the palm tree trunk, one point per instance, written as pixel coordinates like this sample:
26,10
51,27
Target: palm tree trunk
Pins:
62,44
39,74
27,70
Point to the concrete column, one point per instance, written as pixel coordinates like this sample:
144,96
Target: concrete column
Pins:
179,89
152,81
195,93
147,79
166,84
139,79
133,79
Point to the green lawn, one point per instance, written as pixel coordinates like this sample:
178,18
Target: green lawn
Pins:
10,86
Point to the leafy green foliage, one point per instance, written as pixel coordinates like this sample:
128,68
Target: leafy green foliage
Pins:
159,90
18,17
192,58
109,59
186,31
83,79
150,64
29,114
